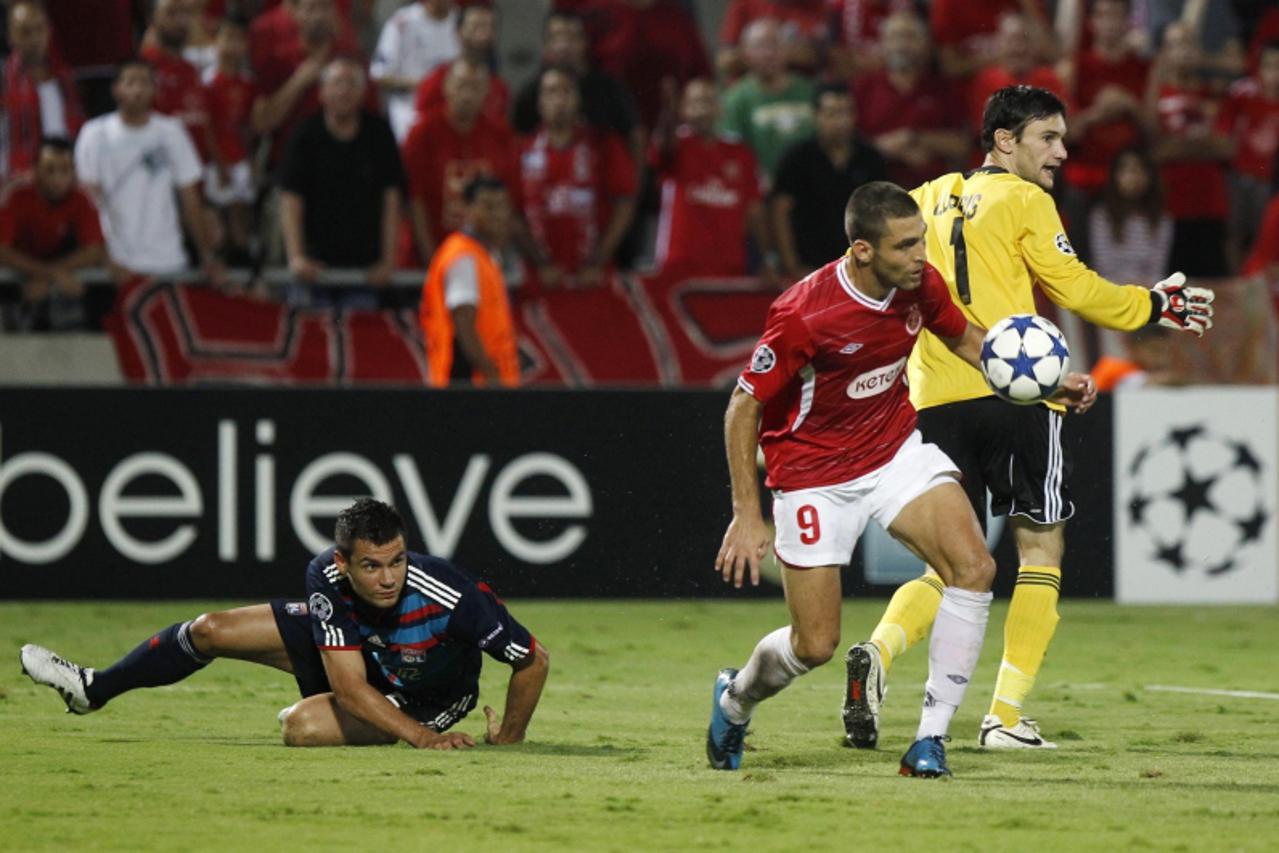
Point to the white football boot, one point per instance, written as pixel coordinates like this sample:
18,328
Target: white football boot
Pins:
1024,735
69,679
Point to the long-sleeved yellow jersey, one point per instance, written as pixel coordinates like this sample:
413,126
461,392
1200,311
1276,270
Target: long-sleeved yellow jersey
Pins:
993,236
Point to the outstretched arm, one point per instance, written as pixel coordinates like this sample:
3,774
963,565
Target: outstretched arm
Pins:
525,688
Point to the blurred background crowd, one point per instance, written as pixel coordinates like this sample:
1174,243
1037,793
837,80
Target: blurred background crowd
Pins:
247,143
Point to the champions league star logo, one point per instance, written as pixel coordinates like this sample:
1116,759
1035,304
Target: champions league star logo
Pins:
1199,500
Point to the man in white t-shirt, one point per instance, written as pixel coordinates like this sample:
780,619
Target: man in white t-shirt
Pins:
141,167
415,40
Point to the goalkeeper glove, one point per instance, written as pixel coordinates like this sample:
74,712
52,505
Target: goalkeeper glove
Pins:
1187,309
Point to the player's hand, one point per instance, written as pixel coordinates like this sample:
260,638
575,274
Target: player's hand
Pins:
380,273
305,269
1186,309
1077,392
493,731
745,544
451,740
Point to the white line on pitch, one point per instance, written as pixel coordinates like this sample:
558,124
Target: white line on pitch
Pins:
1238,694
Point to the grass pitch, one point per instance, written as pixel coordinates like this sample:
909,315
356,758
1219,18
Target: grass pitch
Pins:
615,758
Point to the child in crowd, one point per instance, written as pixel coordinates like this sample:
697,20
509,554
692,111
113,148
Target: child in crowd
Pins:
230,187
1129,230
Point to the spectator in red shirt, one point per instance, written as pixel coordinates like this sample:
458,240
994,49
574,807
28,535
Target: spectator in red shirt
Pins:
1016,63
229,185
39,98
908,111
579,188
178,90
856,33
1108,82
1251,118
805,28
49,229
445,150
1192,157
710,190
1264,257
966,33
289,47
476,34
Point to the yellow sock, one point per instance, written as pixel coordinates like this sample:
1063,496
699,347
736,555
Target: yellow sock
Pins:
1032,619
908,617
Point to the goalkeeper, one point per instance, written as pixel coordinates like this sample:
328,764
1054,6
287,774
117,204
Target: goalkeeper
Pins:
994,234
387,647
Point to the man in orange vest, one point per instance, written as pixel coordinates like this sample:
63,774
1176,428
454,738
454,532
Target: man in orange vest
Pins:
465,314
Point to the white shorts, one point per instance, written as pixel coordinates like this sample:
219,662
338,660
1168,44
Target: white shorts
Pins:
238,191
820,526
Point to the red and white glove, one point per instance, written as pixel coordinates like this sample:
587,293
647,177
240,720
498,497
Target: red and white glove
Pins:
1187,309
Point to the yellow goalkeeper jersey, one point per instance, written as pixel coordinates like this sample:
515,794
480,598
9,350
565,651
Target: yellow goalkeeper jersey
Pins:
993,237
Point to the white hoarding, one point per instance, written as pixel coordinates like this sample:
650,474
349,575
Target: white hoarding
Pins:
1196,491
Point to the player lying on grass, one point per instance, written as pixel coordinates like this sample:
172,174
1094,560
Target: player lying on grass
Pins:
386,647
824,397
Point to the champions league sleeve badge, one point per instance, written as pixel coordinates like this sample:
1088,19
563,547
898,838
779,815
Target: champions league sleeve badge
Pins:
321,607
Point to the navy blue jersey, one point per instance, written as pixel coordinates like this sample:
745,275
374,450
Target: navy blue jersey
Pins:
428,645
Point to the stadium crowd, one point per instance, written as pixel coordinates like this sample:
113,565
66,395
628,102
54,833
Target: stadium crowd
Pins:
243,135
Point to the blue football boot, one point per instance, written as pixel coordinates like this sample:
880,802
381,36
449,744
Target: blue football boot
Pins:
926,758
724,738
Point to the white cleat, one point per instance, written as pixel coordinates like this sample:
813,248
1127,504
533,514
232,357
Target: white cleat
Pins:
1024,735
69,679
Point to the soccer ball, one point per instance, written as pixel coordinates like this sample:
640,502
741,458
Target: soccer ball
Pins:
1024,358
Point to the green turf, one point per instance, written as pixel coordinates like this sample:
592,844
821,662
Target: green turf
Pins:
615,757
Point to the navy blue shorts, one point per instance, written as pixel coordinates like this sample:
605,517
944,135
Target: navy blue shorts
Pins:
294,623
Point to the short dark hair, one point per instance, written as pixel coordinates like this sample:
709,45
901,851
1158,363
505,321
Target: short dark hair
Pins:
367,520
135,62
830,89
483,182
871,206
60,144
1013,107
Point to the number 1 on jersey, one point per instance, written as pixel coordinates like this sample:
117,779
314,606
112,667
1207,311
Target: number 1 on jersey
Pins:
809,524
961,260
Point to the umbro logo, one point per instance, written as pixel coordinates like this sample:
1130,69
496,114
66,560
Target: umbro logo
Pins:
849,349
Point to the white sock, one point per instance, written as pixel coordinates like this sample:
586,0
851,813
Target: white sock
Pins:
952,656
772,666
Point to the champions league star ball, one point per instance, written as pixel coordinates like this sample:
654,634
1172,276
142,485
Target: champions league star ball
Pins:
1024,358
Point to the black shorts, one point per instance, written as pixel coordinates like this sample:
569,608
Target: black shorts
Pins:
1014,452
294,623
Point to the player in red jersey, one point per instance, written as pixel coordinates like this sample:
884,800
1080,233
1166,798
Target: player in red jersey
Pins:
825,397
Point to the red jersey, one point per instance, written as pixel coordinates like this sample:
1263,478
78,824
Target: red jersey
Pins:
429,97
179,93
47,231
1089,165
708,188
955,23
276,51
568,191
230,103
830,370
1196,189
930,105
995,77
1252,121
439,160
